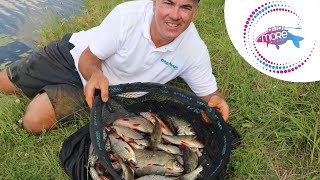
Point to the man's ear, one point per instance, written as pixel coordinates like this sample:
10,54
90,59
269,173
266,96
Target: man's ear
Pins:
195,11
154,5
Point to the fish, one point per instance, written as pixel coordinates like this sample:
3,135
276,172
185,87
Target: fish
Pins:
179,159
158,158
187,140
127,171
152,118
190,159
94,174
99,168
92,156
192,175
135,123
155,170
197,151
156,177
126,132
139,143
170,149
155,136
122,148
183,127
278,35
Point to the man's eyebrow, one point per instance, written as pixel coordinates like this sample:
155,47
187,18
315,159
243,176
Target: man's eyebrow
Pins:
170,1
187,6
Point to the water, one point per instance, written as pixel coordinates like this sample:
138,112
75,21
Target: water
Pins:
19,20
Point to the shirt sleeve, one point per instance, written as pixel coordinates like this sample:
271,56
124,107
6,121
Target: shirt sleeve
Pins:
107,36
199,76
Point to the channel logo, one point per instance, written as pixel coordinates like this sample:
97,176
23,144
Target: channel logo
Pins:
279,38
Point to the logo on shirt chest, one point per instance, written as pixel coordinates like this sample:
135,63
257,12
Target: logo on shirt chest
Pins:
169,64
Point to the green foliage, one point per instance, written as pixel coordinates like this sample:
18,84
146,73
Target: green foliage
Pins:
279,121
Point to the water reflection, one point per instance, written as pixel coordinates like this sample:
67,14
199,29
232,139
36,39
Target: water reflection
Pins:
20,18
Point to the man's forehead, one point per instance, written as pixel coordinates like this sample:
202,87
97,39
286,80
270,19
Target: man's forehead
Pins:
183,1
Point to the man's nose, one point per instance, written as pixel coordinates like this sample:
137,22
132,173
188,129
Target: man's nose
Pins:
175,13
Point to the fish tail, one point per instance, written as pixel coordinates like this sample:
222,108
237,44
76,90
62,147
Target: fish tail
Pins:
295,39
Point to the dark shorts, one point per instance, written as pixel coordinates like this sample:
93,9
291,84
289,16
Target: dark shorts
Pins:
52,70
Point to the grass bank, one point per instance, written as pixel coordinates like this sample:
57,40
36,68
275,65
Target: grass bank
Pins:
279,121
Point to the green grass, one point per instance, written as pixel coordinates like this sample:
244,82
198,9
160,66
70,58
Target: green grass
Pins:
279,121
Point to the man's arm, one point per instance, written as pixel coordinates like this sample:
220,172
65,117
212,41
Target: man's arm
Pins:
217,100
90,69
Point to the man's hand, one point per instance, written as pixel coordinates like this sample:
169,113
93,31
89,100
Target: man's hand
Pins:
96,81
216,100
90,69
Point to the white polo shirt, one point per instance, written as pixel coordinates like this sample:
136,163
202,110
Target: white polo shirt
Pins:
129,55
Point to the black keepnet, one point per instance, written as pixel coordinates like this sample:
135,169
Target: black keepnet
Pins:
215,136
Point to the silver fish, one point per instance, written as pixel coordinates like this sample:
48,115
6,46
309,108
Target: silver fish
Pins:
152,118
170,149
155,170
183,127
197,151
136,123
94,174
122,148
192,175
157,158
190,159
92,156
155,177
179,159
139,143
126,132
186,140
155,136
127,172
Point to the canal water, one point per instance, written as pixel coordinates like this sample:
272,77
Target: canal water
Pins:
20,19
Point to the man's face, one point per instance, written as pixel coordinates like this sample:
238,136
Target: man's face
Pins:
171,18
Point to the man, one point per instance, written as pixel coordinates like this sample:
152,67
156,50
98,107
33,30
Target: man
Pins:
139,41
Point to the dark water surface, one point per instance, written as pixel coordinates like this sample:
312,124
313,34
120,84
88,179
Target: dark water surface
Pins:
19,20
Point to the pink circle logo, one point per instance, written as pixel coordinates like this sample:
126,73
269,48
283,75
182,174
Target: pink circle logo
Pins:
279,38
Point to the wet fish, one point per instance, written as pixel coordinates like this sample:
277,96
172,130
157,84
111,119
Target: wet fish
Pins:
197,151
190,159
186,140
170,149
155,136
127,172
92,156
126,132
135,123
152,118
179,159
122,148
99,168
158,158
192,175
156,177
94,174
155,170
139,143
183,127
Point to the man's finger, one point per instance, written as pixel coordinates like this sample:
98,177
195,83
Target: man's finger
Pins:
104,93
89,93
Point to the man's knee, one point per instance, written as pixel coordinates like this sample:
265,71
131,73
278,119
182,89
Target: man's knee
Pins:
6,86
39,115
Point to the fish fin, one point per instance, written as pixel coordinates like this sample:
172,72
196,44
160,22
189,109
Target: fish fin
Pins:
295,39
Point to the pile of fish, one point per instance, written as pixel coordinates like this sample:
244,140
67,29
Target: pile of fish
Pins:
146,147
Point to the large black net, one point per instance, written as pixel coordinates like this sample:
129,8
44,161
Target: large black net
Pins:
218,137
